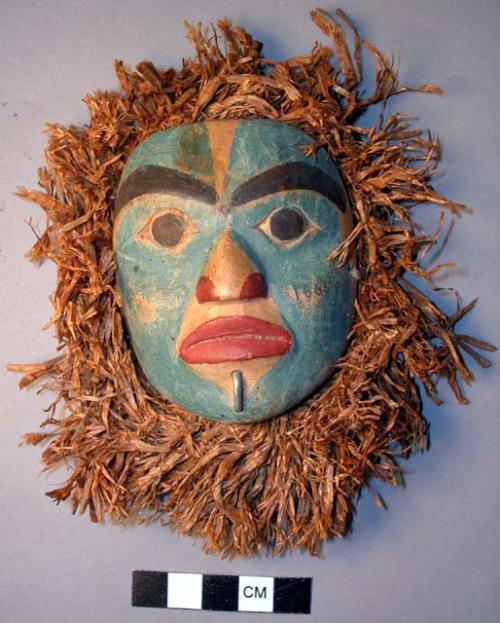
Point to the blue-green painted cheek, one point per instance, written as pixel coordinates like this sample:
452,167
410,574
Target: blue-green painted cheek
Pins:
156,287
312,295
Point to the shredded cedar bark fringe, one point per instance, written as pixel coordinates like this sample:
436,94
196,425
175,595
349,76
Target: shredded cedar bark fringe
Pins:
290,482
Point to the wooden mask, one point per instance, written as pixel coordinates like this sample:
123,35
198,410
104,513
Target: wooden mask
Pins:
222,235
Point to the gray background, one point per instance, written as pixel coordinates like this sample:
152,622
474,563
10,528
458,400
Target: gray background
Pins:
433,555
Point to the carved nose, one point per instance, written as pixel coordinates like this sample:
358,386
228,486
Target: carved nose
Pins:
230,275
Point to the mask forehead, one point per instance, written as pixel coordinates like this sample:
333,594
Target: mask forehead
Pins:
226,154
262,144
184,148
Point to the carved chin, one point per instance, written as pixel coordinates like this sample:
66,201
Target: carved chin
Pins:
220,373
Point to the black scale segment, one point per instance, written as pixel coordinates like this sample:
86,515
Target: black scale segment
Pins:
149,589
220,592
292,595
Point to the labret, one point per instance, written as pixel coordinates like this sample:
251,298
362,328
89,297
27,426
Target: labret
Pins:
238,389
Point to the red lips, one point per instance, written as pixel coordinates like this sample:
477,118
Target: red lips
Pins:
234,338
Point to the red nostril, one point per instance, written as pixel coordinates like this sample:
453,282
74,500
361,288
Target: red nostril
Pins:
254,287
205,290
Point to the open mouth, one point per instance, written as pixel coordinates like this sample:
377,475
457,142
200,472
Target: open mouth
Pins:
234,338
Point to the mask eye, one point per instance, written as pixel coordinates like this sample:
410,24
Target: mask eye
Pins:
170,230
286,226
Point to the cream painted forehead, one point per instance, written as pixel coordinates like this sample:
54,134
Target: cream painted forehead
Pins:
221,136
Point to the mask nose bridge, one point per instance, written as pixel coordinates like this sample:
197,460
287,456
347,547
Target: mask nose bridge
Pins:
230,274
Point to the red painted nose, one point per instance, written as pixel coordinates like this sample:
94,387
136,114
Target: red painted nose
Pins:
230,275
254,287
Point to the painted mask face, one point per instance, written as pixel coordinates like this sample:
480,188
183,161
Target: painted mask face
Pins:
222,236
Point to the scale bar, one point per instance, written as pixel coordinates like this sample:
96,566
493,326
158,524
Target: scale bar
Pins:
230,593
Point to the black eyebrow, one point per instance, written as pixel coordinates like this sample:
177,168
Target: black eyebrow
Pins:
155,179
290,176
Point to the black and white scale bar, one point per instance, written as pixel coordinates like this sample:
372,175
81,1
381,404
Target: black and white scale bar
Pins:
233,593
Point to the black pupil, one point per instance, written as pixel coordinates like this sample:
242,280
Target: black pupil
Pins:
168,229
287,224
